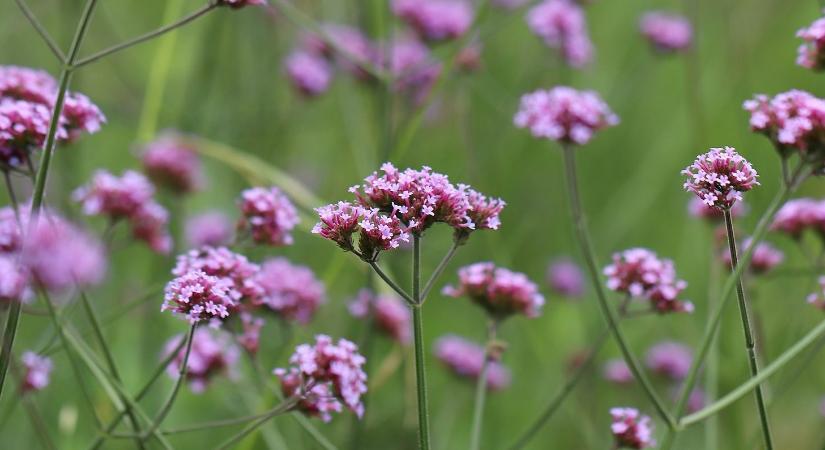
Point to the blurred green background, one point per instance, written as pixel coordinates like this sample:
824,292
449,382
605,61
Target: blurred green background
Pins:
225,83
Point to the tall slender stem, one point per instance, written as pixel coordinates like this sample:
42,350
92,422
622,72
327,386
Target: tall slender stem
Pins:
42,173
12,197
712,365
39,425
750,345
110,360
411,300
167,405
418,332
592,267
481,386
41,30
439,270
286,406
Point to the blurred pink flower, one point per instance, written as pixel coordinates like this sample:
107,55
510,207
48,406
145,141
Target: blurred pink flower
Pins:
501,292
631,429
617,371
793,120
465,359
388,313
13,279
799,215
562,25
250,336
698,209
413,68
23,83
309,73
173,163
268,215
666,32
36,372
565,277
291,291
23,129
765,256
198,296
212,228
719,177
640,273
670,359
80,115
435,20
212,355
564,114
811,54
327,375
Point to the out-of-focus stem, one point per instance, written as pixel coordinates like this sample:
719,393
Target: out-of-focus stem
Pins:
481,386
439,270
41,30
12,197
284,407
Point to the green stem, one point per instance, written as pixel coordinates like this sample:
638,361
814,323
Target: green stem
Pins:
13,198
750,345
110,360
418,332
481,387
439,270
284,407
40,180
41,30
712,365
167,405
148,36
395,287
37,422
610,316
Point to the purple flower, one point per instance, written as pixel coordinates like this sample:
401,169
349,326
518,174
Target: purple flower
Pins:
13,279
564,114
817,298
251,335
562,25
499,291
10,236
268,215
291,291
357,48
799,215
466,359
240,274
413,67
171,162
765,257
149,224
484,211
23,129
435,20
719,177
211,228
198,296
309,73
631,429
23,83
670,359
617,371
388,313
327,376
81,115
566,278
36,372
640,273
666,32
212,354
811,54
793,120
698,209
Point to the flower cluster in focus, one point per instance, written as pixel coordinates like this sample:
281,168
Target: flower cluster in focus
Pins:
631,429
564,114
719,177
640,273
501,292
268,216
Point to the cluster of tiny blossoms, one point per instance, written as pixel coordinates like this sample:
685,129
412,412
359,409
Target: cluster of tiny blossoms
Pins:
198,296
798,215
640,273
290,290
27,98
326,376
212,354
239,273
388,313
566,278
765,257
666,32
211,228
617,371
394,204
268,216
36,372
811,54
501,292
466,359
562,25
670,359
793,120
173,163
129,197
631,429
719,177
564,114
435,20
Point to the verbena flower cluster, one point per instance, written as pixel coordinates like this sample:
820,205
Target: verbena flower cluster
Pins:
562,25
173,163
36,372
640,273
238,273
391,206
564,114
765,256
387,313
13,280
793,120
565,277
212,355
197,296
666,32
631,429
466,359
800,215
617,371
670,359
811,54
129,197
435,20
719,177
212,228
310,73
290,290
268,216
327,376
27,99
501,292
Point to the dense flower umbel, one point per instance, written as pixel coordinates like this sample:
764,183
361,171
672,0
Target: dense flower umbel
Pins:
23,128
212,355
564,114
811,53
466,359
670,359
793,120
309,73
291,291
327,376
765,256
698,209
198,296
719,177
36,371
387,312
211,228
631,429
173,163
617,371
239,273
565,278
80,115
13,279
23,83
500,291
798,215
640,273
435,20
666,32
818,298
562,25
268,215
